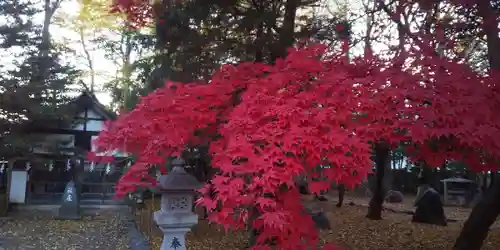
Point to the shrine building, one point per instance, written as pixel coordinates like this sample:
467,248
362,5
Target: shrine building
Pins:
59,156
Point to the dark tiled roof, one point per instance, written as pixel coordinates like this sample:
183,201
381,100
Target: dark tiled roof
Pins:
87,99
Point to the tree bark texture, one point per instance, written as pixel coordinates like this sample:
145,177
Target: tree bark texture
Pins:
341,190
382,154
477,226
486,211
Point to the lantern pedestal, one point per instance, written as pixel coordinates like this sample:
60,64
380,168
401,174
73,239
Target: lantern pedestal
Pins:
174,227
176,218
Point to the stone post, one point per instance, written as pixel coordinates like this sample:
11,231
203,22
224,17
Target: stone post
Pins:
70,206
175,218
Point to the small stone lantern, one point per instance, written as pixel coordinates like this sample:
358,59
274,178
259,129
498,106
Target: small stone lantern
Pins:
176,218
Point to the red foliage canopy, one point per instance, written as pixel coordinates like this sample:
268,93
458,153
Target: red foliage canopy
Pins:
277,122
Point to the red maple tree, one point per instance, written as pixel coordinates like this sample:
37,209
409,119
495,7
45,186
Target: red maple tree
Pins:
277,122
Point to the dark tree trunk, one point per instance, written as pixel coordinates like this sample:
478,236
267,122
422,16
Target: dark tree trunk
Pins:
382,154
488,14
259,54
254,233
492,178
478,224
341,190
287,31
484,187
486,211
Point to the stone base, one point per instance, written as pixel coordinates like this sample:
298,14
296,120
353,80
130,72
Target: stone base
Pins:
174,227
174,239
68,213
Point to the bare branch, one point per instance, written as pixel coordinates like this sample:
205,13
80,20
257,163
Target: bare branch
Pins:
88,57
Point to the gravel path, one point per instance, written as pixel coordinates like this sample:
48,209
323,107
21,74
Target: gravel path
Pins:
104,231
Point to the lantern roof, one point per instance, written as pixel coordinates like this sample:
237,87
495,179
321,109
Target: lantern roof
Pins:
178,179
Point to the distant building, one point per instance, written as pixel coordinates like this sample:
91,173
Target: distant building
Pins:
60,156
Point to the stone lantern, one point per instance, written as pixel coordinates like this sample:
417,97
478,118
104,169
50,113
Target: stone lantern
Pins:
176,218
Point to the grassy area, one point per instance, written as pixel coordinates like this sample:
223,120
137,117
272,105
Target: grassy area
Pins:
350,230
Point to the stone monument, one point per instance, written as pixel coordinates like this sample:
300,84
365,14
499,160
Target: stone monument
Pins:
176,217
429,207
70,206
320,219
394,196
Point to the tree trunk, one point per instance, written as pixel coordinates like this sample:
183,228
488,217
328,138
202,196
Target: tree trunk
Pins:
287,31
388,175
484,184
254,233
126,72
341,190
382,154
477,226
486,211
492,179
90,62
44,49
487,13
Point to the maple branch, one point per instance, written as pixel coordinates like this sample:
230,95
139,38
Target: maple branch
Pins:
402,27
90,63
369,25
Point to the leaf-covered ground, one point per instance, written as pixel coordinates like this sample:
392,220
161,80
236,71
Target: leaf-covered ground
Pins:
37,230
350,230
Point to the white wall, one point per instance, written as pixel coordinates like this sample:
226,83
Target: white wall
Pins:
17,189
92,125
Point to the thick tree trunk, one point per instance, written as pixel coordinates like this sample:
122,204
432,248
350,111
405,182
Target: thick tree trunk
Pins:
488,14
287,31
382,154
486,211
478,224
45,45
